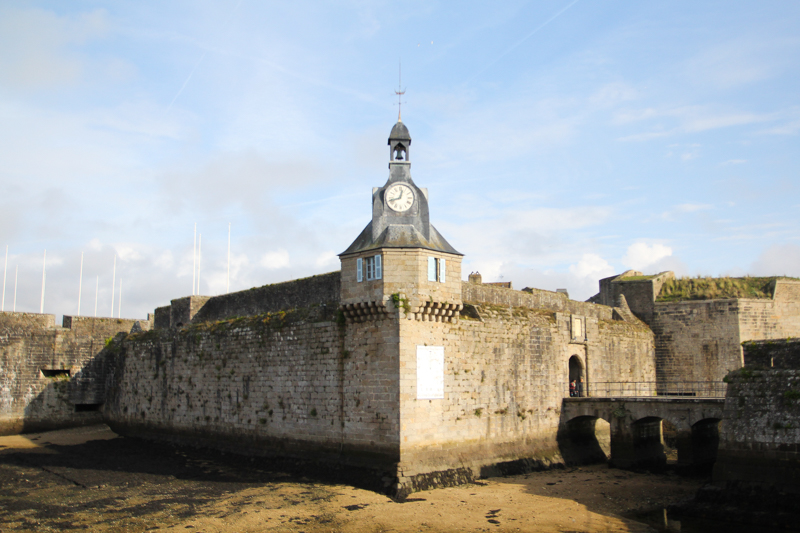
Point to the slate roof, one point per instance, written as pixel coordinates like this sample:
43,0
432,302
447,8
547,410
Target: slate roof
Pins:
400,236
399,132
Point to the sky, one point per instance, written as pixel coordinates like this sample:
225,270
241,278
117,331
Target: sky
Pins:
561,141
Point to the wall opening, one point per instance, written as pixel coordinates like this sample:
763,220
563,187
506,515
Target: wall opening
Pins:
705,442
585,440
670,435
648,443
87,407
577,385
54,372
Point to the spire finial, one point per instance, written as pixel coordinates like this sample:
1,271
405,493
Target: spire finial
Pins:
399,92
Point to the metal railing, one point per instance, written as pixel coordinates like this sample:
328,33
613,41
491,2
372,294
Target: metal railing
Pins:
685,389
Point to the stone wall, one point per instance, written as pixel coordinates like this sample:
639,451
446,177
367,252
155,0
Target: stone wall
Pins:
779,354
315,290
697,340
505,377
535,299
701,340
323,289
309,385
640,291
52,376
755,478
296,384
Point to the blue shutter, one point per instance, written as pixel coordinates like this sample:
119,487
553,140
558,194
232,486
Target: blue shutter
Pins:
441,270
378,268
359,270
431,269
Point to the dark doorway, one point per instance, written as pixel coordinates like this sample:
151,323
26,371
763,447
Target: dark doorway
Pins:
577,386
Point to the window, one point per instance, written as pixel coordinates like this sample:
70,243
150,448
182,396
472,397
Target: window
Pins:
369,267
436,269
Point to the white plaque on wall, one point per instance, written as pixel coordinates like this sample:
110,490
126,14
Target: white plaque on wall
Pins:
430,372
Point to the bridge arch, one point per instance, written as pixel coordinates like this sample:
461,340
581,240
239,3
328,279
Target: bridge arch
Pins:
585,439
697,447
637,428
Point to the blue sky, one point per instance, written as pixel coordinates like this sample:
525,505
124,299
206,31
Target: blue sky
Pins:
561,141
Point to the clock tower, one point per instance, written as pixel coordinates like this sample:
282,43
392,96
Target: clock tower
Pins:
400,261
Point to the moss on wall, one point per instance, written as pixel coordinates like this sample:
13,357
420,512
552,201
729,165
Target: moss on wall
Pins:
675,290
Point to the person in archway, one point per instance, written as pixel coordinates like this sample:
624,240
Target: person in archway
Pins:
579,391
572,388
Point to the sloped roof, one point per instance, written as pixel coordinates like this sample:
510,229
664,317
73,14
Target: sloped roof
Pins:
400,236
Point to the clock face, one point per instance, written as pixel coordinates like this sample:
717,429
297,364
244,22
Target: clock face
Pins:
400,197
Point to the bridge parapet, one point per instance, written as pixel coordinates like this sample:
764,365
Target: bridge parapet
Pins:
682,389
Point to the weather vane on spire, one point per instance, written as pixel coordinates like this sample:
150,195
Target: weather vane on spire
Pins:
399,92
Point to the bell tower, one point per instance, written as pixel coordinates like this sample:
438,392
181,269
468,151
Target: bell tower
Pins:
400,260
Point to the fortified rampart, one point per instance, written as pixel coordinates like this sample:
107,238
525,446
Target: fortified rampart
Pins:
323,289
308,383
50,374
392,364
700,339
778,354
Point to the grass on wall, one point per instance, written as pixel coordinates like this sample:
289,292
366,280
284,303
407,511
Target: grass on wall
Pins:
675,290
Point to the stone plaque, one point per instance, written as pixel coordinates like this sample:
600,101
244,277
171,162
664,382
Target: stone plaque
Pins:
430,372
577,329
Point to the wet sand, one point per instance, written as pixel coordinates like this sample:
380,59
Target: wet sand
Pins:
90,479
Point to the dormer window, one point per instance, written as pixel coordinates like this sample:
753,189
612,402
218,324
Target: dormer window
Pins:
369,268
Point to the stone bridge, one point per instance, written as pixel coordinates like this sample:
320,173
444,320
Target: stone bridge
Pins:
631,431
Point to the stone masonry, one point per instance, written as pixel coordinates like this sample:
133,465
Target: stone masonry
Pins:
52,376
392,364
700,340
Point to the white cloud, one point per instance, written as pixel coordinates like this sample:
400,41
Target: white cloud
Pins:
691,208
641,255
275,260
735,62
591,266
35,46
778,260
327,260
788,128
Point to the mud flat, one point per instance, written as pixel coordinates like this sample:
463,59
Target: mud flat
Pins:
90,479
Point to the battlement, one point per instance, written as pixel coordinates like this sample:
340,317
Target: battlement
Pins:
323,289
21,324
489,294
